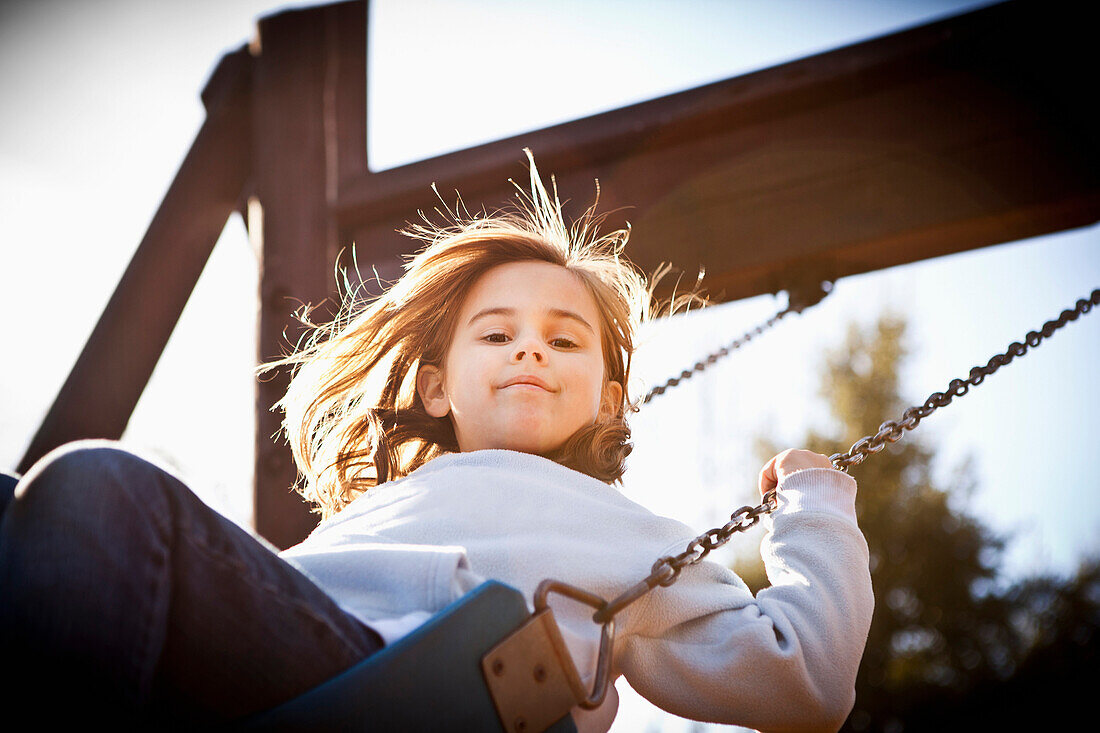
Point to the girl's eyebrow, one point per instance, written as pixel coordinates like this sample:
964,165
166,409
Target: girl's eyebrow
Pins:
556,312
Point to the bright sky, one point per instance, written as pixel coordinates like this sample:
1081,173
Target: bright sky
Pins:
101,102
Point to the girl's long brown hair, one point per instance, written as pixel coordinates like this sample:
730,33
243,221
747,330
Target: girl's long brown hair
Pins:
353,417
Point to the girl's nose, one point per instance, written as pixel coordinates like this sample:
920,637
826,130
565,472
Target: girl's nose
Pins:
528,349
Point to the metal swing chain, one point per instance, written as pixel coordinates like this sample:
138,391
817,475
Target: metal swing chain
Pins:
666,570
799,298
891,431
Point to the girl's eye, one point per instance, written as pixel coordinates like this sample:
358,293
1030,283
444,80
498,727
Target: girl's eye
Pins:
496,338
563,343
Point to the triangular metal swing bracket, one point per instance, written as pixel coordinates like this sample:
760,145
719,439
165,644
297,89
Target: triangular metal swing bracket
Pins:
531,676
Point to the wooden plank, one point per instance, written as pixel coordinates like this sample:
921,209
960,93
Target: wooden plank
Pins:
959,134
346,47
110,374
299,239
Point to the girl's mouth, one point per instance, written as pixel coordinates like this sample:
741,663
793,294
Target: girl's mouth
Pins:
526,380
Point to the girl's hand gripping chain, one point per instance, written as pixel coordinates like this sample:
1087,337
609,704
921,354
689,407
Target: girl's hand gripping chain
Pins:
788,462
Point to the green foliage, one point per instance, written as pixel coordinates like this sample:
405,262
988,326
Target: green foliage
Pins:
945,636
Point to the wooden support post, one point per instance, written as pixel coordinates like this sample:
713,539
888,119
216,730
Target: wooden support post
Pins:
111,372
299,239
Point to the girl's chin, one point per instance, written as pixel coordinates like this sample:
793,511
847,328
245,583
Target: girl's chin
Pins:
523,431
538,448
523,441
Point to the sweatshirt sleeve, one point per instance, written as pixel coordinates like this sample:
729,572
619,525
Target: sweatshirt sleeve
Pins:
786,660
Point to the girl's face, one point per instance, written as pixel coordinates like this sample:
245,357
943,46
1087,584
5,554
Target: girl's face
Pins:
524,370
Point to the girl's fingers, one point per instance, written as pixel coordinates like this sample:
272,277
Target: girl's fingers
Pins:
768,478
774,471
788,462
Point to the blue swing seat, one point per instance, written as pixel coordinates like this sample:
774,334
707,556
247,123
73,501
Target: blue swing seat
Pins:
430,680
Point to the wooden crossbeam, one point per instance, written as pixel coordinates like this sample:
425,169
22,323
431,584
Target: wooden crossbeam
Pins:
964,133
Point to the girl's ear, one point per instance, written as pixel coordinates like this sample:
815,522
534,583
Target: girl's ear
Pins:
429,385
610,401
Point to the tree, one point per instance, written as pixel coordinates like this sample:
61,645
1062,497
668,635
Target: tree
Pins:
947,648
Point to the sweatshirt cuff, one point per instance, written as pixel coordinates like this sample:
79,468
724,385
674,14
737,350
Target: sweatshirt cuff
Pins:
818,490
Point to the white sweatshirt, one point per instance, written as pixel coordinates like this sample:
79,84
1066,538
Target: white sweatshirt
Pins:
703,648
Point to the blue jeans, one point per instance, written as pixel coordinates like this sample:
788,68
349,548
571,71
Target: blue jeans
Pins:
123,595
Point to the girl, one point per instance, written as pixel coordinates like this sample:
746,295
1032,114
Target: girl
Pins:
469,424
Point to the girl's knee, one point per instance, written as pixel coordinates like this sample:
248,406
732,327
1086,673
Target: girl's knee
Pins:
91,472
